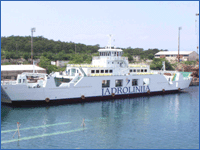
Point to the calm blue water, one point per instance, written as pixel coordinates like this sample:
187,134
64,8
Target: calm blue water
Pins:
163,122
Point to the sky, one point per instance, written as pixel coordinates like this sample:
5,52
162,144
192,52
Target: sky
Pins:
136,24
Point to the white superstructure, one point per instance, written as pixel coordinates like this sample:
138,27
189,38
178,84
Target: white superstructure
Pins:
108,76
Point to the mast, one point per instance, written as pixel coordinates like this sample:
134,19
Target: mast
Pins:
32,30
109,41
179,43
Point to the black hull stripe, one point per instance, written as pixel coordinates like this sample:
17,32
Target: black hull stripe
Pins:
30,103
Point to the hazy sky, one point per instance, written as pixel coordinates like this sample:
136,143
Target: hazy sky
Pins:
143,24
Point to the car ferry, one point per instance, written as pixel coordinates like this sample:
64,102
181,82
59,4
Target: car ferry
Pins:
109,76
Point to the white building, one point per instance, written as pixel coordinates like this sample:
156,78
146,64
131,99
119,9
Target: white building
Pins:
59,63
10,72
172,55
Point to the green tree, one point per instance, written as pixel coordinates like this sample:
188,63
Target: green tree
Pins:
157,64
44,62
150,56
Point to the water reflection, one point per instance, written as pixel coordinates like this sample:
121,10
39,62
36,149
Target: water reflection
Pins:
5,110
144,122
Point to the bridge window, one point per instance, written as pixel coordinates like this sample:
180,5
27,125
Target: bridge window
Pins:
138,70
118,83
102,71
131,70
97,71
134,70
135,82
105,83
106,71
92,71
145,70
110,71
142,70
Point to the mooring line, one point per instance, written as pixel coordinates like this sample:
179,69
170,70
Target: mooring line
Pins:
43,126
43,135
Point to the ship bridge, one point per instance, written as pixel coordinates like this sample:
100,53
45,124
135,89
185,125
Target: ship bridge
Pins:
110,57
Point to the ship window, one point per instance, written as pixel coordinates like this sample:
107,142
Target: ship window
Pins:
8,77
73,72
105,83
102,71
19,81
131,70
106,71
138,70
23,80
112,62
77,71
142,70
68,71
110,71
59,81
134,70
145,70
97,71
146,81
118,83
134,82
92,71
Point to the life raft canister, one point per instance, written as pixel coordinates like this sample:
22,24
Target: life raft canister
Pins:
47,99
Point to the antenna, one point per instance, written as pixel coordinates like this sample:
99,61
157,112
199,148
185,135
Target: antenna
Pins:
196,30
110,40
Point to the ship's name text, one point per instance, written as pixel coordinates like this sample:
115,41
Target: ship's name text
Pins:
125,90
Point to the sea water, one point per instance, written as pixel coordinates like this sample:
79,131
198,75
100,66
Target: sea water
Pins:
154,122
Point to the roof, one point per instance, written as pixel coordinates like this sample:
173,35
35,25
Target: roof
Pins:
174,53
19,67
110,50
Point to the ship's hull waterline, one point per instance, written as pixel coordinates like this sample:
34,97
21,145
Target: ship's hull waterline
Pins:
90,89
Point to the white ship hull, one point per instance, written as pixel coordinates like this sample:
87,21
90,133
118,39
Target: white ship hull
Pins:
90,88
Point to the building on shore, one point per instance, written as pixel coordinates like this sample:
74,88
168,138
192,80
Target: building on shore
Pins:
173,55
10,72
59,63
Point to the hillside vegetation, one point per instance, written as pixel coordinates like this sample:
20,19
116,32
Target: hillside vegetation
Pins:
20,47
15,47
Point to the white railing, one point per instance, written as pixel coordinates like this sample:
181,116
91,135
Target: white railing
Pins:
161,72
8,82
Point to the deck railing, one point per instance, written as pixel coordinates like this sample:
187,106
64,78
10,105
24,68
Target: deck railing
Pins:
8,82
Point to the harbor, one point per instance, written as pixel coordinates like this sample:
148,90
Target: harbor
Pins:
100,75
156,122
